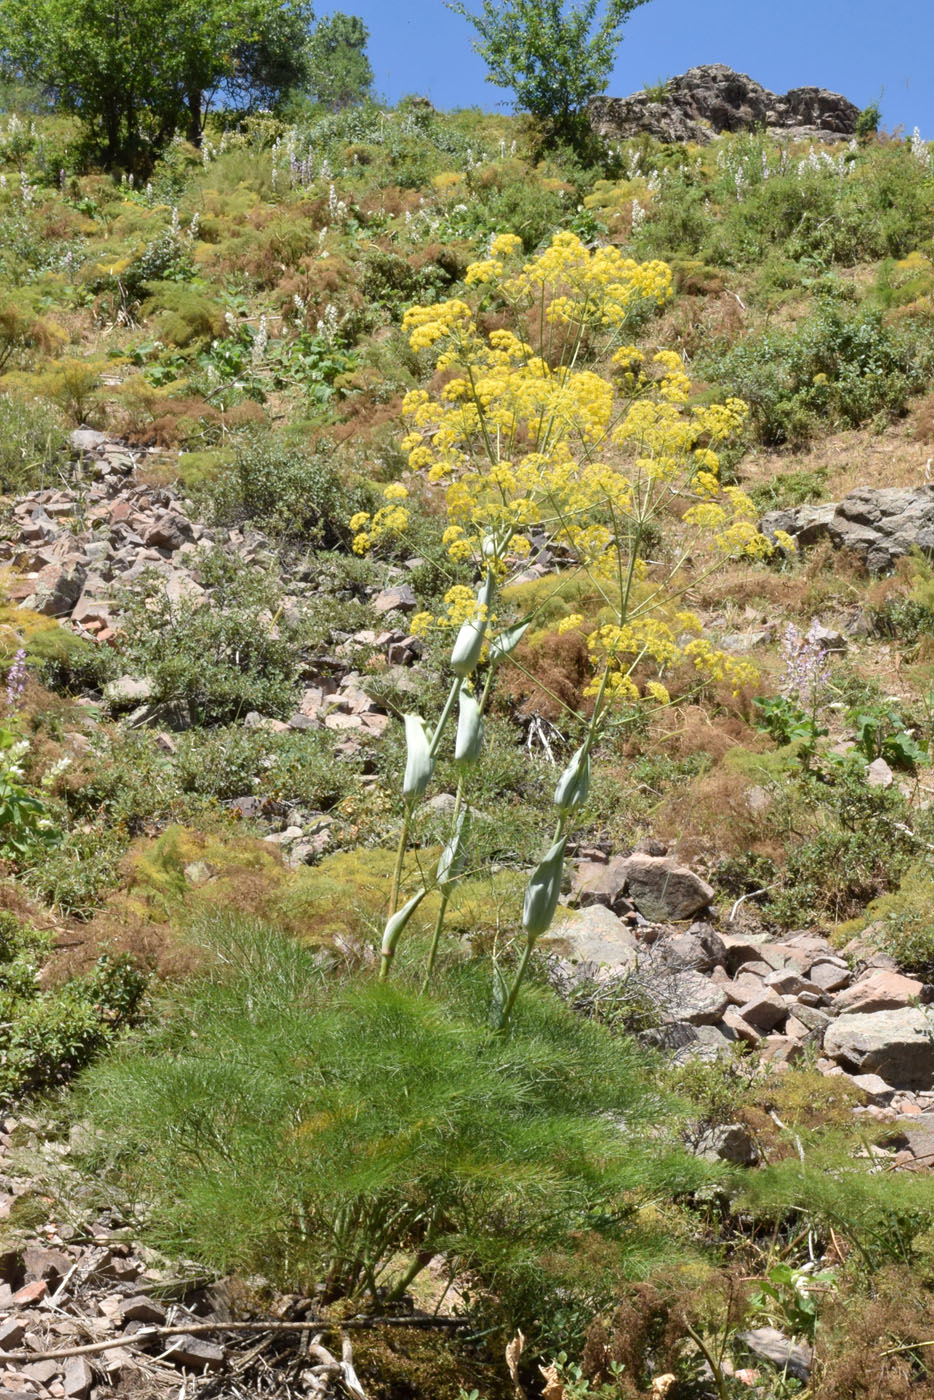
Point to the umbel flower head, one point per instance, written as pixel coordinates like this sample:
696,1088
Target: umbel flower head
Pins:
559,429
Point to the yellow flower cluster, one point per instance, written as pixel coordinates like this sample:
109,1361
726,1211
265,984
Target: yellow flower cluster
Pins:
664,642
391,519
460,606
528,437
582,287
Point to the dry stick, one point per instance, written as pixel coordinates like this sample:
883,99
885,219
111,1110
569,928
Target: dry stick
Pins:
197,1329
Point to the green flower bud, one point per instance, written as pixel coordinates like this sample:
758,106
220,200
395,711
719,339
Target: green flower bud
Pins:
469,741
541,895
451,863
418,761
506,643
574,783
397,923
469,642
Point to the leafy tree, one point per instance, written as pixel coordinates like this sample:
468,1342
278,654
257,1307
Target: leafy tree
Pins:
554,57
339,70
135,71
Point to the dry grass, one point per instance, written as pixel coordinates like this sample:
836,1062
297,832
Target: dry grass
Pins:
855,457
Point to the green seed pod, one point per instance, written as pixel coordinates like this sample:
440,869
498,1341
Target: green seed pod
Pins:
451,863
469,641
418,761
506,643
468,744
574,783
397,923
541,895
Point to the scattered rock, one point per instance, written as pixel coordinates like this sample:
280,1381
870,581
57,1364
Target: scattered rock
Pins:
879,774
732,1142
896,1045
12,1334
874,1087
601,882
662,890
399,599
194,1354
78,1378
829,976
764,1011
128,691
593,935
686,996
879,991
142,1308
796,1358
30,1294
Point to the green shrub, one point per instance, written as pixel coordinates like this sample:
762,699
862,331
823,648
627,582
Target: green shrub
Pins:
183,315
299,768
74,874
836,368
221,659
286,490
343,1133
33,444
789,489
46,1036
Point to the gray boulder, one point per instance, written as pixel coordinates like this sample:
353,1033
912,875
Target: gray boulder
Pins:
592,935
732,1142
878,523
600,882
771,1345
661,889
897,1045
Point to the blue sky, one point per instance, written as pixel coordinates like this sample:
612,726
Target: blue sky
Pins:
865,50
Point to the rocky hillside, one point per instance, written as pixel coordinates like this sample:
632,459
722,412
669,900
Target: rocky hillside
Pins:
598,1015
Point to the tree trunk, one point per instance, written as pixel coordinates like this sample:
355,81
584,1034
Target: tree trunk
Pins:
194,117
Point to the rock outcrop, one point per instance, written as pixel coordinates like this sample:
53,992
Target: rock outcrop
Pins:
705,101
878,522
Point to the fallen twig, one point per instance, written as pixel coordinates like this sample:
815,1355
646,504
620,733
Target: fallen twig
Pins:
198,1329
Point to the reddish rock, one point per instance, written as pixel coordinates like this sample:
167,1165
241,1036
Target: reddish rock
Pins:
31,1294
879,991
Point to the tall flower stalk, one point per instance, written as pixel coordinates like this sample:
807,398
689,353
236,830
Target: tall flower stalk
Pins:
557,429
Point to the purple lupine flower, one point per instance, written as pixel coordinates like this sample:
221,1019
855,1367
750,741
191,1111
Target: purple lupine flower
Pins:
806,664
16,682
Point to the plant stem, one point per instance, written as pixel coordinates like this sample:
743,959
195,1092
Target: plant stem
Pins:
516,983
445,897
436,938
445,714
400,857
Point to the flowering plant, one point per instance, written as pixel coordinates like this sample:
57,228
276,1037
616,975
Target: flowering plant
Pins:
554,427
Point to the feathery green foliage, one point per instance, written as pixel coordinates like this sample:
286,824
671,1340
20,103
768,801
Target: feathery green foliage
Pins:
320,1128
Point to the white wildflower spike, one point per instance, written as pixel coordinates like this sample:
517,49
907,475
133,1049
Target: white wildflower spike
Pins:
506,643
541,895
574,783
469,642
397,923
451,862
419,763
468,744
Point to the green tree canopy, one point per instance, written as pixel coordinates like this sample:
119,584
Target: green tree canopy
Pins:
339,71
553,55
135,71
